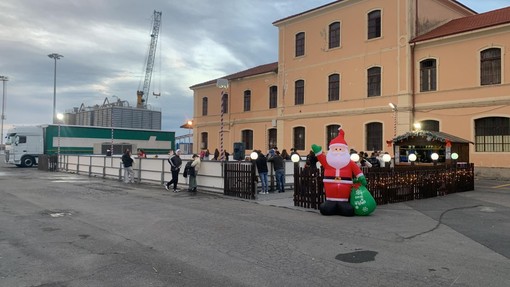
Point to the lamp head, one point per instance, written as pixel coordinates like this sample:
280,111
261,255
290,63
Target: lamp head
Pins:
355,157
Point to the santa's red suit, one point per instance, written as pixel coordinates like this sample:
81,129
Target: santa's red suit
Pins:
338,182
339,169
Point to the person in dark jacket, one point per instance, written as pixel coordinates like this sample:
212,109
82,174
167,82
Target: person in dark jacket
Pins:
261,163
175,166
127,161
311,160
216,154
285,155
279,169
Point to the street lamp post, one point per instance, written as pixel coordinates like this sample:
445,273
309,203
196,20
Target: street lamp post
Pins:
56,57
3,79
190,126
395,111
60,117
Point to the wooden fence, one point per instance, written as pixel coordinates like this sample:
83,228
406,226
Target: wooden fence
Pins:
240,179
402,183
47,162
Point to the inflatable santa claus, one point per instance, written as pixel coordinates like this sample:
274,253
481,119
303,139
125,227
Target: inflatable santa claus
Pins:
340,173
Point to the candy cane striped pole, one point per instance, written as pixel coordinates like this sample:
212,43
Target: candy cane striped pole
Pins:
221,127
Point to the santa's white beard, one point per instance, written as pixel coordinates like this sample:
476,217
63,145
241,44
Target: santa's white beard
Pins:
338,159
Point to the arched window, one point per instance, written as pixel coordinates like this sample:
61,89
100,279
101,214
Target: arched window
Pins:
374,136
428,75
299,138
430,125
247,138
374,82
273,97
247,100
300,44
374,24
204,140
490,66
331,133
334,35
271,135
492,134
204,106
224,103
334,87
299,93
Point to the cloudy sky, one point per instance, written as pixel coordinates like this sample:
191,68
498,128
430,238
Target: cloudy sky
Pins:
105,45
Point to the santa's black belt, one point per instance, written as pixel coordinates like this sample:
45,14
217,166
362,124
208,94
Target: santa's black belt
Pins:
338,178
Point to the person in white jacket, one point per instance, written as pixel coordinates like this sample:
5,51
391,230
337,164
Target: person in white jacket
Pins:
195,166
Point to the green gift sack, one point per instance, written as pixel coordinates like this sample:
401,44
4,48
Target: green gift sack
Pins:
362,200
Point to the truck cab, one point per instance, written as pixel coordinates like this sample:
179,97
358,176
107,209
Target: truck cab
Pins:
24,145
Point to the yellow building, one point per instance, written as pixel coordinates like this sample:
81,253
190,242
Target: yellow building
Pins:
437,63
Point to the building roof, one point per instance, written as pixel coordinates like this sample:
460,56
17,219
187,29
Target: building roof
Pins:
430,136
338,1
467,24
305,12
262,69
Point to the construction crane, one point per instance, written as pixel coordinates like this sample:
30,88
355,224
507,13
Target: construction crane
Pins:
142,95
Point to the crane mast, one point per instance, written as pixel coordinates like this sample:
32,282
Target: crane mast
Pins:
142,96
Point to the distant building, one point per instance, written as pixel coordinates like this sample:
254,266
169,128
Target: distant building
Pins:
117,114
438,62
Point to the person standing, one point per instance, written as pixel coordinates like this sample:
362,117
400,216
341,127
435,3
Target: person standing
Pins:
261,163
216,154
293,151
175,166
141,153
195,166
311,160
279,169
127,161
285,155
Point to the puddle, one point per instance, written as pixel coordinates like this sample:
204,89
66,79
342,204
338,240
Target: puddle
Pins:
357,256
56,213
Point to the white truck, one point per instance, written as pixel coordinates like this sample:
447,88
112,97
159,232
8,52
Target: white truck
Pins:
24,144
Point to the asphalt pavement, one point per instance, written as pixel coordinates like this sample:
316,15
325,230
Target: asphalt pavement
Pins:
63,230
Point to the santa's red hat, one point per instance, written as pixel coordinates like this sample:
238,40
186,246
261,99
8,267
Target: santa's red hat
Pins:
339,140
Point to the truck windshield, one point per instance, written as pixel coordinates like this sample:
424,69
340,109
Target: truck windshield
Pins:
10,139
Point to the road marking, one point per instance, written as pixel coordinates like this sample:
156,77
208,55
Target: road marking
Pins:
503,185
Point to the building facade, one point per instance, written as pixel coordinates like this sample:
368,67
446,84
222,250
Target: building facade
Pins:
376,68
116,114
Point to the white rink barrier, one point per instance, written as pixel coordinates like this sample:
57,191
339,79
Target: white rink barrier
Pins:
156,170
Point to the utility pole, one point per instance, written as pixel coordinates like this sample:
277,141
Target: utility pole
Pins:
56,57
3,79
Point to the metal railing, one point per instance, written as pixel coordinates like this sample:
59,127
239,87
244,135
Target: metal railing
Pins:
155,170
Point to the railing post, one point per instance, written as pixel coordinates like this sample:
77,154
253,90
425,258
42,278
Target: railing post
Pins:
163,172
296,182
120,171
253,180
139,170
